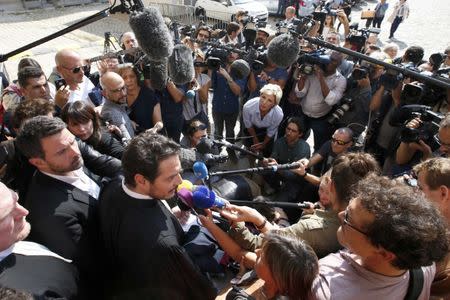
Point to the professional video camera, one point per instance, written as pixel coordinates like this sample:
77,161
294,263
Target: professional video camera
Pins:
299,26
216,57
324,10
346,104
357,37
428,128
307,60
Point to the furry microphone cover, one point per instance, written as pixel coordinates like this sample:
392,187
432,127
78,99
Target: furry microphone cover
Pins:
181,65
152,33
283,50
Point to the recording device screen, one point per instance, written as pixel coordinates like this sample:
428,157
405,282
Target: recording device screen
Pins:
60,83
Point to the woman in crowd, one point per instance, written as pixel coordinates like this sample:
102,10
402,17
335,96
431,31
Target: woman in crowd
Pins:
391,50
290,276
287,265
145,109
262,115
195,106
84,123
194,132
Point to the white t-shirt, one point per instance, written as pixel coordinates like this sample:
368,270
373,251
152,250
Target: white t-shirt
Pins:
82,93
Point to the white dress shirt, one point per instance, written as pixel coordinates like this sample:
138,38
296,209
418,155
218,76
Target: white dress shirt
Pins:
81,181
252,117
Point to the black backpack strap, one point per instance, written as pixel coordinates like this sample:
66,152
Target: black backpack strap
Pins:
415,284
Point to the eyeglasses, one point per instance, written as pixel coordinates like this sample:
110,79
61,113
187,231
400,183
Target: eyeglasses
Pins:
292,130
439,142
346,222
339,142
77,70
119,90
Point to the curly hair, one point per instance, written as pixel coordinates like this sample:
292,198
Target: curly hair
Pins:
293,264
31,108
405,223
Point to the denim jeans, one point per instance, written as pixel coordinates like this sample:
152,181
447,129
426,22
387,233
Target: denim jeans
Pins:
395,25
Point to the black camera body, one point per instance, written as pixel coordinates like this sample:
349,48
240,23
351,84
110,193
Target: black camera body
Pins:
357,37
346,105
216,57
428,129
307,61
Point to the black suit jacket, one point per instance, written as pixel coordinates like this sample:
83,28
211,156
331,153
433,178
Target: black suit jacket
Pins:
64,219
43,276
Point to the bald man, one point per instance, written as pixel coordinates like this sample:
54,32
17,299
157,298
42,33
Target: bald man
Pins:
114,109
69,65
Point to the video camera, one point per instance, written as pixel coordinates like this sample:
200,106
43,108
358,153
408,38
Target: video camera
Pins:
299,26
427,130
307,61
324,10
357,37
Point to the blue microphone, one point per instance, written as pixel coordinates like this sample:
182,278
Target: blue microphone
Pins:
200,170
205,198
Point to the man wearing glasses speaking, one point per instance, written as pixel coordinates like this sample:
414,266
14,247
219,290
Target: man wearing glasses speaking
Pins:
340,142
76,86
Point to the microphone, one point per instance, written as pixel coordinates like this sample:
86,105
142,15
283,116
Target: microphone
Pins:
158,74
277,204
239,69
362,138
200,170
205,198
232,146
181,65
152,33
273,168
185,196
283,50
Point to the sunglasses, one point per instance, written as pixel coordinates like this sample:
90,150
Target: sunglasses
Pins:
339,142
77,70
346,222
439,142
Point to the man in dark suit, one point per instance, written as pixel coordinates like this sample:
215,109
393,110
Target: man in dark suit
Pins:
62,197
28,266
142,239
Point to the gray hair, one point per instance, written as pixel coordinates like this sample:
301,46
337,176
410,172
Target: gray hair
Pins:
272,89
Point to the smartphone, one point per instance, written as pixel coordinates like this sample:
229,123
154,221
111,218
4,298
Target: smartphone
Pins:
60,83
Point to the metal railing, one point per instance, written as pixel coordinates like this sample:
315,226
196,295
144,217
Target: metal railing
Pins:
185,13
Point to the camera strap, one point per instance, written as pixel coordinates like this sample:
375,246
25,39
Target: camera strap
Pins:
415,284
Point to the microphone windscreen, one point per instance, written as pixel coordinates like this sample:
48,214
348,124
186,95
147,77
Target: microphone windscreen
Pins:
152,33
283,50
185,196
181,65
202,200
205,146
185,184
239,69
200,170
158,74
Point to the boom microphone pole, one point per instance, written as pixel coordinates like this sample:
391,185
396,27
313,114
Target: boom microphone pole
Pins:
273,168
270,203
409,73
91,19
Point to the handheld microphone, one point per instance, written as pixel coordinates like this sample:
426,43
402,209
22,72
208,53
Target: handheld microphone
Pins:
181,65
205,198
200,170
152,33
273,168
185,196
283,50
